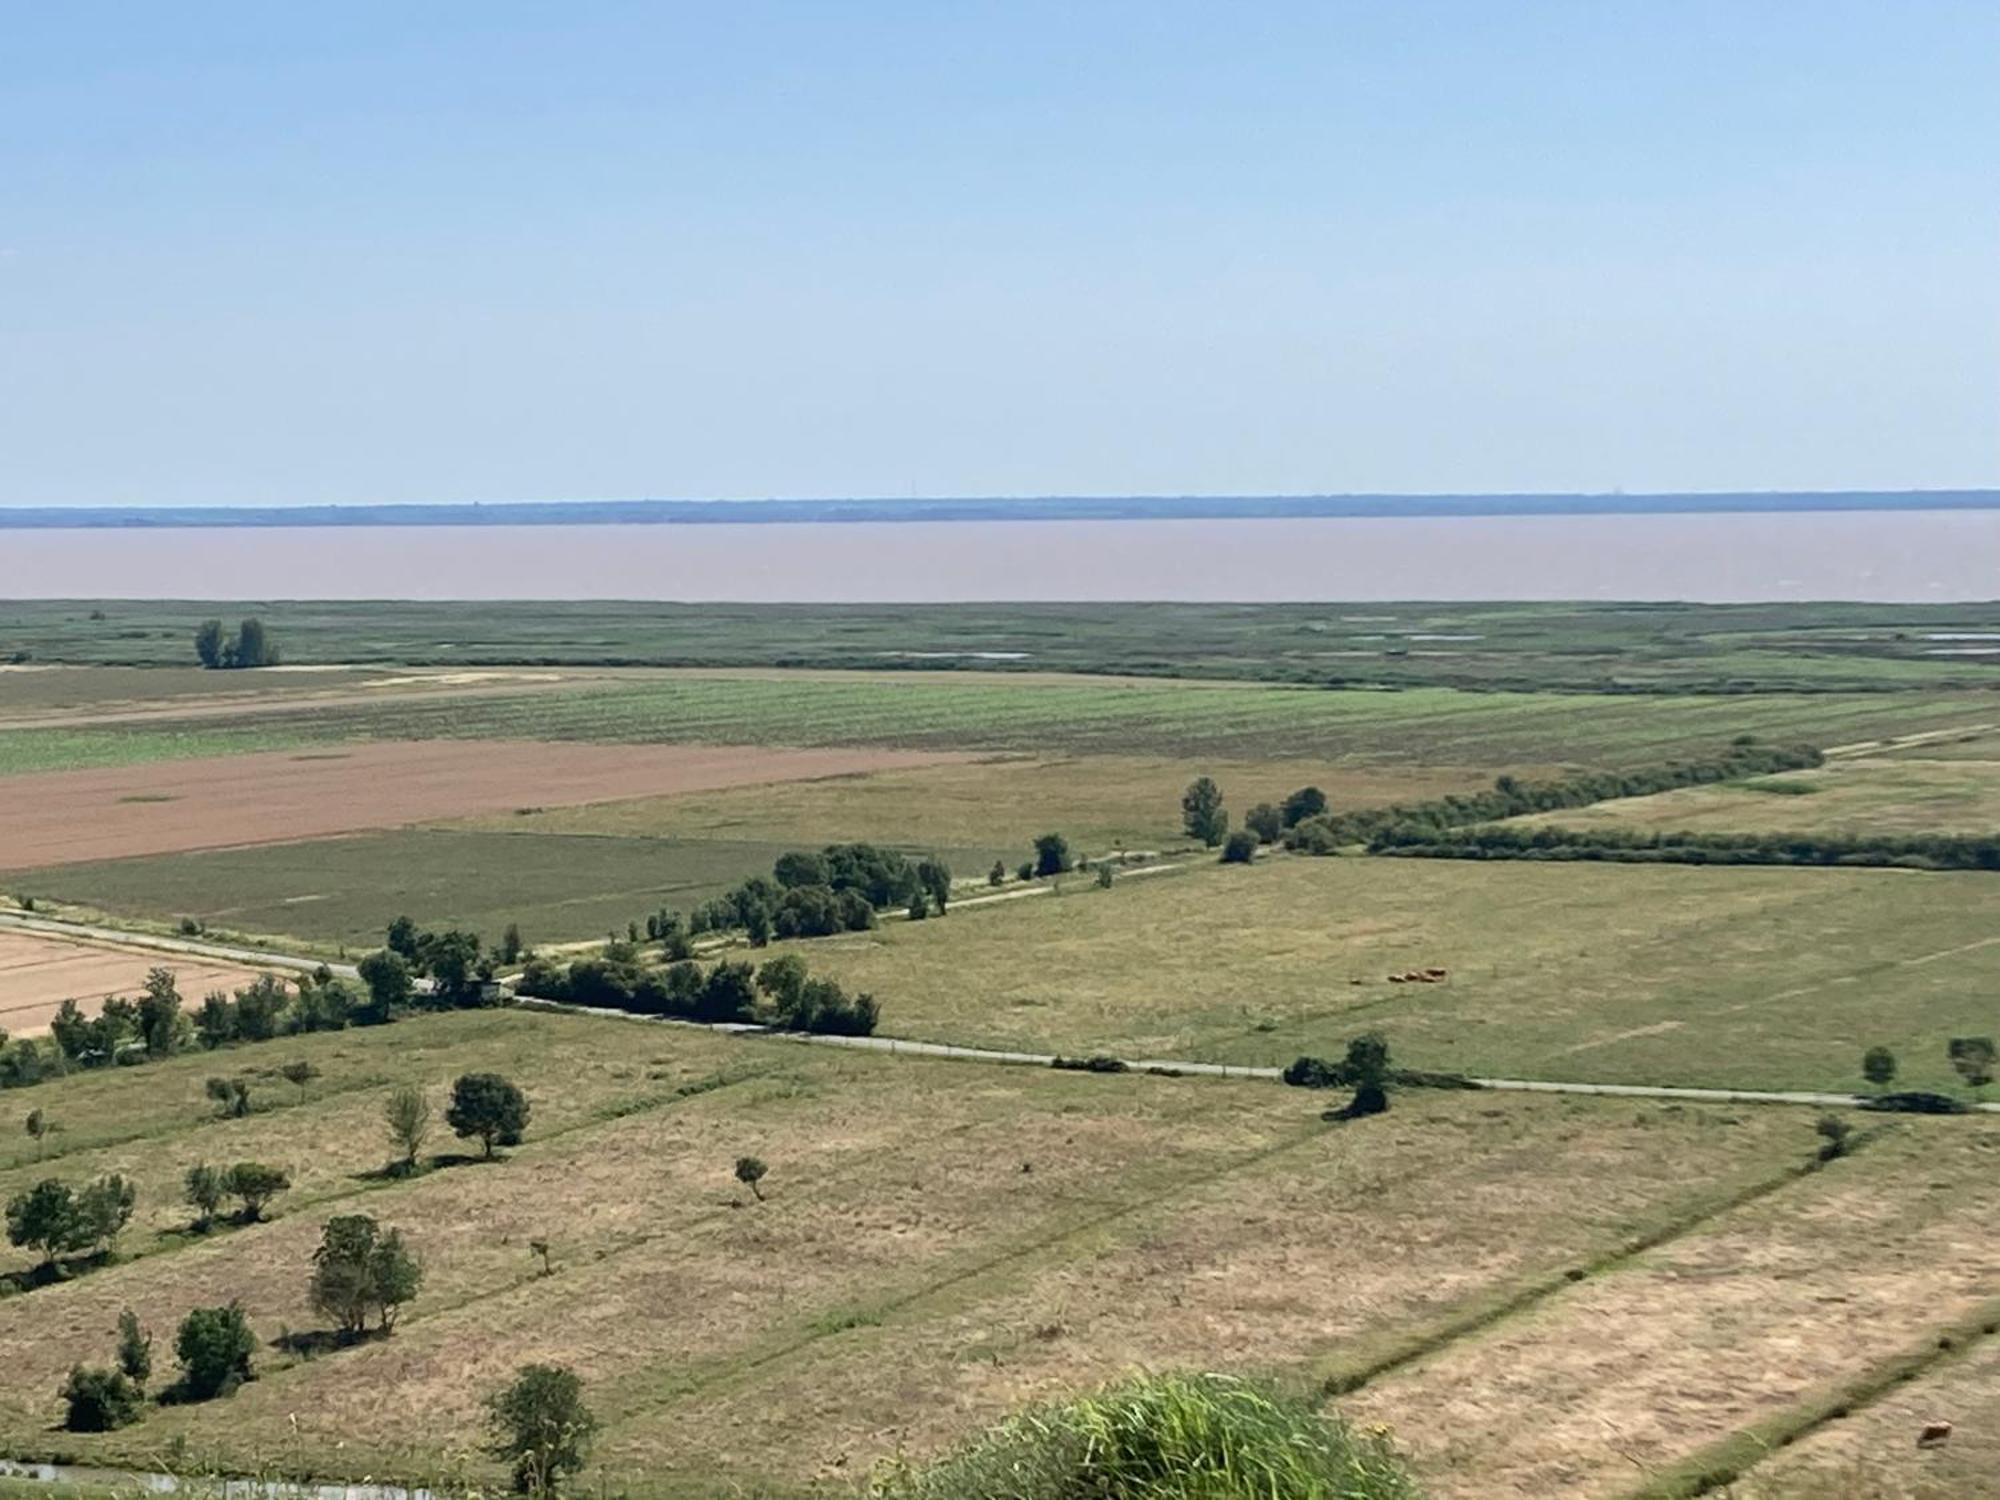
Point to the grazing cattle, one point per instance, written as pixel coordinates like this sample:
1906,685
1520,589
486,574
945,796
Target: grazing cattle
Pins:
1935,1434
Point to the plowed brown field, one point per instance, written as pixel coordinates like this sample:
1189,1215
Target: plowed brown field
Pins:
38,973
61,817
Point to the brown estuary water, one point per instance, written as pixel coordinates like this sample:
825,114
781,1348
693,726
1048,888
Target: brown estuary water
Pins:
1834,555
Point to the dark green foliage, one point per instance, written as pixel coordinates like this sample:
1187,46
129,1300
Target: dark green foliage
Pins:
1201,812
1097,1062
250,647
402,939
100,1400
511,946
324,1003
488,1108
208,643
261,1009
1878,1066
1367,1059
1265,821
1430,826
387,975
298,1072
920,906
407,1114
1240,848
254,1184
1025,870
750,1171
1915,1102
1833,1133
1105,875
802,869
1306,802
203,1189
214,1346
135,1349
160,1014
1973,1057
934,880
95,1041
1052,856
59,1220
215,1022
231,1096
997,876
361,1268
1164,1437
541,1427
1645,846
457,974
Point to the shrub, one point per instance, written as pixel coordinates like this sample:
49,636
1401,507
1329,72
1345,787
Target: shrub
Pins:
1878,1066
58,1220
214,1346
1833,1133
1306,802
256,1184
750,1171
1097,1062
1166,1437
202,1187
1240,848
135,1350
1052,856
1201,811
407,1114
99,1400
488,1108
998,874
1266,822
1105,876
231,1096
1973,1057
541,1427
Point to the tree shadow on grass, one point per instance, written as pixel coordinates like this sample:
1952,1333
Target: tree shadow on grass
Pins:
49,1273
402,1171
313,1342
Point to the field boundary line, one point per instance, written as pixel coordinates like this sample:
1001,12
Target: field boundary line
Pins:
1727,1459
1337,1382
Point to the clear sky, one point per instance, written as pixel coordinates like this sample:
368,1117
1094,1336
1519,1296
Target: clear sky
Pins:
274,252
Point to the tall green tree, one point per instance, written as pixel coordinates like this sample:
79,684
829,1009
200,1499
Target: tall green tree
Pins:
488,1108
209,643
541,1427
160,1023
1201,811
214,1345
361,1268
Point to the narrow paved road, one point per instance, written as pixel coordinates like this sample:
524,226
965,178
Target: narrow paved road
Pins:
191,947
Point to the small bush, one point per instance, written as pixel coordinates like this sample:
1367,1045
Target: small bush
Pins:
1096,1063
1833,1133
1239,848
99,1400
214,1346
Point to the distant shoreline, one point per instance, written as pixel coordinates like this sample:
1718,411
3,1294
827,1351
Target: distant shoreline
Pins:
1047,508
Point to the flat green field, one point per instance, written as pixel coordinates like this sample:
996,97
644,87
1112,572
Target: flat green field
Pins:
1623,973
1850,795
1048,714
940,1241
557,887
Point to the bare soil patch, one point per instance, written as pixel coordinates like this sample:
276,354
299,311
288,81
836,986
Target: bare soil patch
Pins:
38,973
64,817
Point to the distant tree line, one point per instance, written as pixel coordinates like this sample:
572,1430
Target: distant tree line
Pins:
251,646
1645,846
1403,825
782,993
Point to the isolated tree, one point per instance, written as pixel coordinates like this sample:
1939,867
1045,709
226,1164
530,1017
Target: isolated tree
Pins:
360,1268
750,1172
407,1113
255,1184
1052,856
160,1014
202,1187
252,646
209,643
299,1072
1367,1068
1240,848
99,1400
541,1427
104,1208
135,1349
486,1107
934,880
231,1096
1201,811
511,946
387,975
1833,1133
214,1345
1878,1066
1265,821
998,874
44,1218
37,1126
1973,1056
1306,802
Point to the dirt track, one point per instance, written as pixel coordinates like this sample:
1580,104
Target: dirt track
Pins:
38,973
63,817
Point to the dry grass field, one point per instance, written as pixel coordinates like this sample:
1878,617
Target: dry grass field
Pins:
939,1241
38,973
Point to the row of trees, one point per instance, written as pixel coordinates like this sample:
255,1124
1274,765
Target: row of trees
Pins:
839,888
251,646
782,993
1405,825
1648,846
1203,816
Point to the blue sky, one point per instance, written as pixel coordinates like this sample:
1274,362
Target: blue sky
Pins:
283,253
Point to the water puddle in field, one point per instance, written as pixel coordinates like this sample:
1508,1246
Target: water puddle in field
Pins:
218,1487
